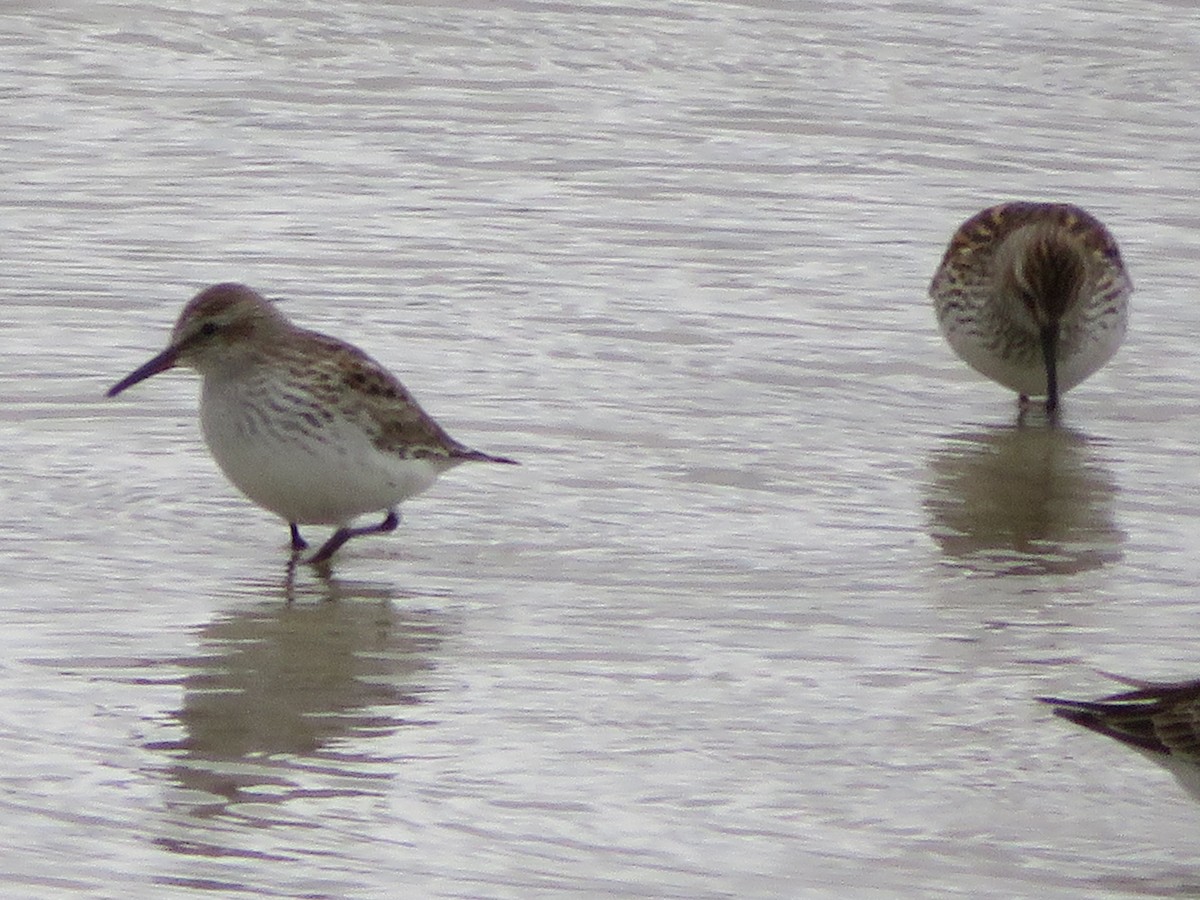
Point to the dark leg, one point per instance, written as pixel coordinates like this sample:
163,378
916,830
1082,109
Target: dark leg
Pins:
298,543
1022,409
342,535
289,578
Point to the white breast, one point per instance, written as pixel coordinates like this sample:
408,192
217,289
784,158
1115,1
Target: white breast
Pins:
305,467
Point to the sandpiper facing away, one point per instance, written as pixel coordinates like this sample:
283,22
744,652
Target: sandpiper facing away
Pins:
305,425
1160,720
1034,296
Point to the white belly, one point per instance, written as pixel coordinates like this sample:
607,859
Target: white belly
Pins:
306,471
1083,350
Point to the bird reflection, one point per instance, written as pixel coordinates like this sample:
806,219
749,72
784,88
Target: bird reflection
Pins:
1022,500
1160,720
278,691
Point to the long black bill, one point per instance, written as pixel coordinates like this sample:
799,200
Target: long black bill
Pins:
1050,356
160,363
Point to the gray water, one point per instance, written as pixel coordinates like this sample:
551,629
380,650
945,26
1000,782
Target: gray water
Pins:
765,609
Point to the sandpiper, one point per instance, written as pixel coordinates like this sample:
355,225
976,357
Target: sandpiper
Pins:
1034,296
305,425
1160,720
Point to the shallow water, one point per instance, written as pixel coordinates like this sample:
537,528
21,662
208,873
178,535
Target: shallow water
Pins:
765,609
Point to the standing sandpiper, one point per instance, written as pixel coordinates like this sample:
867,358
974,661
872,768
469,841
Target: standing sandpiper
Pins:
305,425
1162,721
1034,296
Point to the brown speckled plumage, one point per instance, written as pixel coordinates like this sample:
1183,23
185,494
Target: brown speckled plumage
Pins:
1156,717
1020,280
306,425
369,394
1159,719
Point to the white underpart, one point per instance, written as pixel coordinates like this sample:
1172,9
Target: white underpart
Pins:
318,474
1084,348
1185,769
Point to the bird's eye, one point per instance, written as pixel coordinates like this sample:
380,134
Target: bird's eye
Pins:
208,329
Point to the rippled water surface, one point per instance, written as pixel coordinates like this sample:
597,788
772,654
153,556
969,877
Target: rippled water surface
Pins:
764,610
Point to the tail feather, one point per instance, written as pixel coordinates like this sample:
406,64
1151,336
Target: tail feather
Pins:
479,456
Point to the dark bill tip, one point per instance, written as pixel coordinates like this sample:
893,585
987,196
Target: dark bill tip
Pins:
160,363
1050,358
